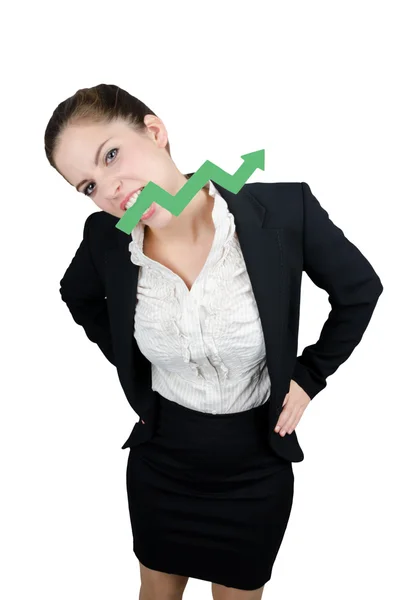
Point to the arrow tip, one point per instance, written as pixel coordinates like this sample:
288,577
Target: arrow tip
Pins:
255,159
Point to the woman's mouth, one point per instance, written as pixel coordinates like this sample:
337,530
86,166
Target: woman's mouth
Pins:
133,200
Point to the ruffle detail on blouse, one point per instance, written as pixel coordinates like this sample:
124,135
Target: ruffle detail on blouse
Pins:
217,300
186,354
159,298
218,297
216,359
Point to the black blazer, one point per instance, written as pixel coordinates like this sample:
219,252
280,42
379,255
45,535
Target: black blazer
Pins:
283,231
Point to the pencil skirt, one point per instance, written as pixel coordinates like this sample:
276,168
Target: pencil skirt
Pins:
208,498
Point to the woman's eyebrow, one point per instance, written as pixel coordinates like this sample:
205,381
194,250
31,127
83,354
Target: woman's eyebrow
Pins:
96,159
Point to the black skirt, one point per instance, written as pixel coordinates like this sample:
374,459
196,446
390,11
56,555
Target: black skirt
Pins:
208,498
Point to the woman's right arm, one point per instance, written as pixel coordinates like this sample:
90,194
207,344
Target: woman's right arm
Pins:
83,292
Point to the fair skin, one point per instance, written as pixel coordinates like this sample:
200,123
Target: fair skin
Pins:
130,160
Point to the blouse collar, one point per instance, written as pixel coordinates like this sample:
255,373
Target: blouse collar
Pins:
224,231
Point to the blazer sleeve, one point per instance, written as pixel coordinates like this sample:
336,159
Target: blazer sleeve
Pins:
83,292
336,265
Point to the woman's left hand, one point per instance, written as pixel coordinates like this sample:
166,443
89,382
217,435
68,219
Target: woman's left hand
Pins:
294,405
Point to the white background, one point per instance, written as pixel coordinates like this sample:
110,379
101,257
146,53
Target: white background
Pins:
313,84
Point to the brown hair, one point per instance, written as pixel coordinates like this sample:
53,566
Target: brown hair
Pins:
100,104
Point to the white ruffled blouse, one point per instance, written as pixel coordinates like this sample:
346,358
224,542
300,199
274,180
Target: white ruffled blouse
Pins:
206,345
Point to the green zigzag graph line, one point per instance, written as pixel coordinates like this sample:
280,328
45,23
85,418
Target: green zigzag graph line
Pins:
175,204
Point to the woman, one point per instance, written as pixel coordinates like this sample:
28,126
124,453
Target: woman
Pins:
182,308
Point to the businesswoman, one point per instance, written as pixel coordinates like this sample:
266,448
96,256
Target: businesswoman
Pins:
199,313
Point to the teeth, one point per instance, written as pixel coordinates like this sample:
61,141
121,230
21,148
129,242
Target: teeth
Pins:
133,199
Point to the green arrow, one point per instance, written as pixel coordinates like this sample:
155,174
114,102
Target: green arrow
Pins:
175,204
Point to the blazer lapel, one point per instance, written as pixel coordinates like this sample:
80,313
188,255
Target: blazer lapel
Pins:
262,249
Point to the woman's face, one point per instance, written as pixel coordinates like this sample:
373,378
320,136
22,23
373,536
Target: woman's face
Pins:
127,161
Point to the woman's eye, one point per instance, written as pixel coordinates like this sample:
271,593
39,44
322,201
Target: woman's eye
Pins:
86,188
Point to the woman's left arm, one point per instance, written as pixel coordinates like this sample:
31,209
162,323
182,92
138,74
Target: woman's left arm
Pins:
336,265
